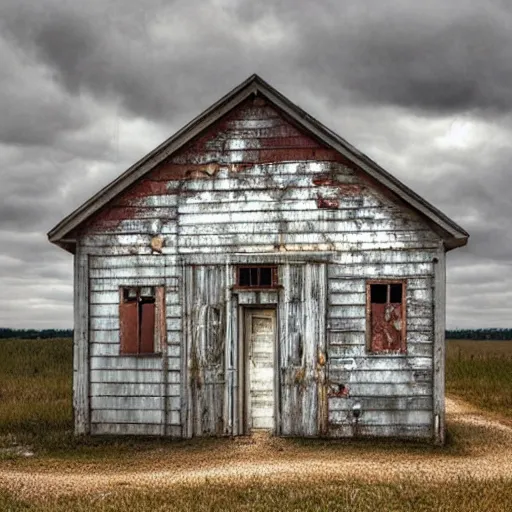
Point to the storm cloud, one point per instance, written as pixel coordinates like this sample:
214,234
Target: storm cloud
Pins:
88,88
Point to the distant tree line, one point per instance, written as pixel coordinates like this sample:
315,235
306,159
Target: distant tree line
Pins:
454,334
33,334
479,334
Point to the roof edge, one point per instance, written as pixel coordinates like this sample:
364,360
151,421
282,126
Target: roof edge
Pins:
456,235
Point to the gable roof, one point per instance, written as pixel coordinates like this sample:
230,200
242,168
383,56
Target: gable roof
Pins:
453,234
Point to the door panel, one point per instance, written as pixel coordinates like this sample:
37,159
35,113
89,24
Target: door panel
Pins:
301,339
206,327
260,342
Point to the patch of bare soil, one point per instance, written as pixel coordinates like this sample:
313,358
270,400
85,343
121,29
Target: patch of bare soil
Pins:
264,457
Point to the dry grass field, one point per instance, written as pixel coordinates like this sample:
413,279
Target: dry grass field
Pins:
44,467
481,373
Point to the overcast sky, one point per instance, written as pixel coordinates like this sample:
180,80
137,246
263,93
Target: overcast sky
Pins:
87,88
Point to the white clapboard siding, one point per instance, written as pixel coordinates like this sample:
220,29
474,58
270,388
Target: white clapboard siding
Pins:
113,284
132,389
107,337
381,362
143,416
395,417
387,270
133,261
112,310
371,237
371,403
158,225
346,338
286,224
142,403
379,376
385,389
126,363
360,350
126,376
135,272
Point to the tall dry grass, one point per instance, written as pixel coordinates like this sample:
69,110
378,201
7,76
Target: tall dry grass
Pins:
481,373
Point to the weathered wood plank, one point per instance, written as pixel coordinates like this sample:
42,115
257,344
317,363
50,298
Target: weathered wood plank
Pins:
385,403
113,284
132,389
383,417
143,260
112,310
379,376
141,403
380,362
81,343
386,389
347,338
238,239
384,270
346,324
360,350
353,311
281,223
105,336
134,272
439,347
125,376
125,363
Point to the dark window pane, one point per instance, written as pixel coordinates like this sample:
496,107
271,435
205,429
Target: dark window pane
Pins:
265,277
379,293
254,276
244,276
396,293
257,276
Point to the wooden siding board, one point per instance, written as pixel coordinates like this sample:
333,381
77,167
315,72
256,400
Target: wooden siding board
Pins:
383,417
383,403
439,354
81,380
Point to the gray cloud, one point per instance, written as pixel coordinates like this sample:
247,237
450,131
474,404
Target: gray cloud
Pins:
87,89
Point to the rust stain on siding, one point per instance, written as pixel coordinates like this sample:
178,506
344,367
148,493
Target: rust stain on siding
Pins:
253,133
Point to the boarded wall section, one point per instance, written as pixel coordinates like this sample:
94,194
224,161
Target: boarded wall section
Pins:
133,394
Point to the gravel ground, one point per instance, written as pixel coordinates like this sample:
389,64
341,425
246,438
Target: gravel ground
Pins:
263,457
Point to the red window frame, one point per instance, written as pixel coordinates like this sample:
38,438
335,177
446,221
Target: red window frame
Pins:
382,320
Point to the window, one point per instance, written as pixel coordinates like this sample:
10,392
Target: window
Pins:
257,277
385,317
141,319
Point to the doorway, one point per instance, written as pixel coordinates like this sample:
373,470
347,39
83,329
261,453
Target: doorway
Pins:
259,362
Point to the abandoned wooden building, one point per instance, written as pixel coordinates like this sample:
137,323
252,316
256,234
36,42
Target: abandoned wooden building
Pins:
256,271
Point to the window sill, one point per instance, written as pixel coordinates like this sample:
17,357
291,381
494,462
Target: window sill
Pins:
239,288
387,354
149,355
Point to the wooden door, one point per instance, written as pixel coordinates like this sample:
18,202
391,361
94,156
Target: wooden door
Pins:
260,341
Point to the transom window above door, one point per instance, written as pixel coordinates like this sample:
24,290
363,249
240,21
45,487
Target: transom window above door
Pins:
261,276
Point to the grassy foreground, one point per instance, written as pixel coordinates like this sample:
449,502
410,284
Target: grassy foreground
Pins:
331,495
36,413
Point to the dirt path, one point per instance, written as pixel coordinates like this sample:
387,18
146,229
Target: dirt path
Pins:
489,456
